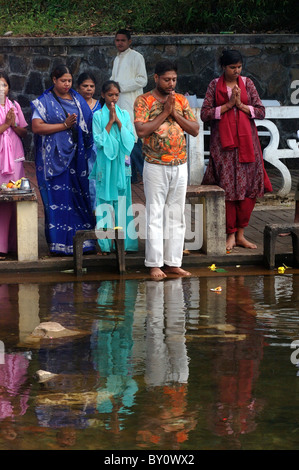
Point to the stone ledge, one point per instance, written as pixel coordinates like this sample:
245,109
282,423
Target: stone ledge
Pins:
180,39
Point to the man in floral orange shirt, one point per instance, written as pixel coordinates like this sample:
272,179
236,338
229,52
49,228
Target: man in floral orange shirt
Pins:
161,119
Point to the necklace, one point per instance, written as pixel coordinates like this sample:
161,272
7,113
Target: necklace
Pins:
159,99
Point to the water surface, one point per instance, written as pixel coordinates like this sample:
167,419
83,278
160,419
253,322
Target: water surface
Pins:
157,365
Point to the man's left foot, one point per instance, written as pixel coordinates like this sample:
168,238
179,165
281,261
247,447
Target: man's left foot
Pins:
176,270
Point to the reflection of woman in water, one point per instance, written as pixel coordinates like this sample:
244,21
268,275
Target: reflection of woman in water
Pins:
14,385
236,368
112,351
14,393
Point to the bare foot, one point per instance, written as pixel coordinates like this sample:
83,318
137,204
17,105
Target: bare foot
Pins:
157,273
103,253
241,241
176,270
230,241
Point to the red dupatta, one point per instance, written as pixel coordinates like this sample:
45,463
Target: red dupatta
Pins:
234,125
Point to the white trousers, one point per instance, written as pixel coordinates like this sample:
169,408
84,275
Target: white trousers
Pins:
165,192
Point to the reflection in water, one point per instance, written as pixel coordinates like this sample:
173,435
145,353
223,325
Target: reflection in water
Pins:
14,392
166,358
67,402
236,368
8,312
14,386
158,365
112,344
165,419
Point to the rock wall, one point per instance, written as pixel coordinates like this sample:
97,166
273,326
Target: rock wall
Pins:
272,61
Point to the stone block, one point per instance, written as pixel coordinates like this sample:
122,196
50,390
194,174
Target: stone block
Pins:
271,232
214,221
27,230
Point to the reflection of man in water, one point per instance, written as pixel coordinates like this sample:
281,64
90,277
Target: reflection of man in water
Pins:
166,359
167,368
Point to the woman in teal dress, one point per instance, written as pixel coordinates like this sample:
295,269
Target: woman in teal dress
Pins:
114,139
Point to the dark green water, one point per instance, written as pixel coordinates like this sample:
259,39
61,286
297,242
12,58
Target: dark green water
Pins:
167,365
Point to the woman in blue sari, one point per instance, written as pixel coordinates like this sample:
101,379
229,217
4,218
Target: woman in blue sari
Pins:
114,139
62,124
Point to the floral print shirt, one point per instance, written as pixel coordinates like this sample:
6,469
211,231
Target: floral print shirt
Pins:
166,145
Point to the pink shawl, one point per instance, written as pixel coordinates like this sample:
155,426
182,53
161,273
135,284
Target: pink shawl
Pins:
7,155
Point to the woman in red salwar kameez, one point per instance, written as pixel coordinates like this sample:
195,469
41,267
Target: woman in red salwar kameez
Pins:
236,163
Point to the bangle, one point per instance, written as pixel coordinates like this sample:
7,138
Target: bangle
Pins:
65,124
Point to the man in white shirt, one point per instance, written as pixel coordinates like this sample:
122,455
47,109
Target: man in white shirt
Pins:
130,72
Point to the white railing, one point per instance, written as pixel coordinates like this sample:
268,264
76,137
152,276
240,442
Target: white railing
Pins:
198,154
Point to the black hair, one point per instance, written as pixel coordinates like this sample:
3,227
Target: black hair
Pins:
6,78
230,56
59,70
106,87
85,76
164,66
126,32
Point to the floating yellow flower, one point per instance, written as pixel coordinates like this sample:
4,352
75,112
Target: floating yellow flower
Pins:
217,289
212,267
281,270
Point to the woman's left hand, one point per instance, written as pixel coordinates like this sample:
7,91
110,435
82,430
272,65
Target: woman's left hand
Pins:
10,118
237,92
71,120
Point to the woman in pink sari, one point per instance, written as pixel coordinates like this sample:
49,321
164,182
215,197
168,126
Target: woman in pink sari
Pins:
12,130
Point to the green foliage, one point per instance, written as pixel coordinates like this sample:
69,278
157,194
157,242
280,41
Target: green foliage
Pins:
65,17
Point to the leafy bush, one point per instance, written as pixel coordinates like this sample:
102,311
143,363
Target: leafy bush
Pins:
65,17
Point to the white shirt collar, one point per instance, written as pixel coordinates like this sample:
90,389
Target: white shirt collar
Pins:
120,54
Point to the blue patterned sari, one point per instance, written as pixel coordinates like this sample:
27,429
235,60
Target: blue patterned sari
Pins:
62,171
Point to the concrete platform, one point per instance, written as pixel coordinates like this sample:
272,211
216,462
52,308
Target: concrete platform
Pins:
269,210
